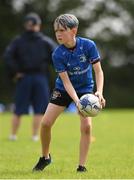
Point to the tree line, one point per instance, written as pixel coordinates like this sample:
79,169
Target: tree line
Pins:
108,23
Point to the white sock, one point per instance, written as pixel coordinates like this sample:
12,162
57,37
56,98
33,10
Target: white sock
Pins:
13,137
35,138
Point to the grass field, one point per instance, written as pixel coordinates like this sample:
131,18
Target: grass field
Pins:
111,155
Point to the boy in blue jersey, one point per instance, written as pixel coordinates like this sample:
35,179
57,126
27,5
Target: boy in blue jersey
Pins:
73,60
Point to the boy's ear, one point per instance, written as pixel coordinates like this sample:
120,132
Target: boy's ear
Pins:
74,30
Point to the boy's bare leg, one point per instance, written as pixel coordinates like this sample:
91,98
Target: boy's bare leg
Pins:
52,112
85,127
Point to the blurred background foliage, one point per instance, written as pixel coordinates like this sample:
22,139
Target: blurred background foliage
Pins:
109,23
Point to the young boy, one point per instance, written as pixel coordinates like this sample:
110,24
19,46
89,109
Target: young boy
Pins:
73,60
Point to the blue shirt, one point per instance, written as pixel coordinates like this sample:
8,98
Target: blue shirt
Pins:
77,63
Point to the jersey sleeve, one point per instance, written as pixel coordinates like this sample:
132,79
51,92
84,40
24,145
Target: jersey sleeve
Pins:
58,62
94,55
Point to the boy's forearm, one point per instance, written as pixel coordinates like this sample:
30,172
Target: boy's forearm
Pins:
99,81
71,91
69,87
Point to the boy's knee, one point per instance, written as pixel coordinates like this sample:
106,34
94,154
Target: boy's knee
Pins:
46,124
86,129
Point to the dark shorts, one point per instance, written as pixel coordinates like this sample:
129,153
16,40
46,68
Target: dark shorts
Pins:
62,98
31,90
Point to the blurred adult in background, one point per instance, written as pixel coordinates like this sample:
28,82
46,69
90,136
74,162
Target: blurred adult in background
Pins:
27,58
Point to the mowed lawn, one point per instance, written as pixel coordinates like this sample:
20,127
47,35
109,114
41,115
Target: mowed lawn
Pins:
111,154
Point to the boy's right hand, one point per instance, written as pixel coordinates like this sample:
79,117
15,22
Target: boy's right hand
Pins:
78,108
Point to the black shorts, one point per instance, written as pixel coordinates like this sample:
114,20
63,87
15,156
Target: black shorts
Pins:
62,98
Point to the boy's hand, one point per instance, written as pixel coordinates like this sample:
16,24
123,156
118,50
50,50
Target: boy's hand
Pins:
77,105
101,98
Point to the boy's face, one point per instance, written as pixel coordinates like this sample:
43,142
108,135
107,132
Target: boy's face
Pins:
64,36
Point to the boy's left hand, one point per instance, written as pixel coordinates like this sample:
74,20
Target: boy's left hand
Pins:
101,98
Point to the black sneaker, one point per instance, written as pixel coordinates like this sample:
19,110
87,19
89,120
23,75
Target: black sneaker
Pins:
42,163
81,169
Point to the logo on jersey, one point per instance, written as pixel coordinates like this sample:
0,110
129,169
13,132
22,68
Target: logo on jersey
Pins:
78,71
82,58
77,68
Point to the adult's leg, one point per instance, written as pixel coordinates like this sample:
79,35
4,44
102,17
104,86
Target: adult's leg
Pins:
21,104
40,98
86,128
52,112
35,125
15,124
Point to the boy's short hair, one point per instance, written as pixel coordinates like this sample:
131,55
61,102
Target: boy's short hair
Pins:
67,21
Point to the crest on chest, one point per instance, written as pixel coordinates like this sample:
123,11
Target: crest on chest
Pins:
82,58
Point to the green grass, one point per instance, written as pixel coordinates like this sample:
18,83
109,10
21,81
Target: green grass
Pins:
111,155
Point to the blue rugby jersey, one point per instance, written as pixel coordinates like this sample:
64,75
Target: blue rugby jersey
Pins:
77,63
